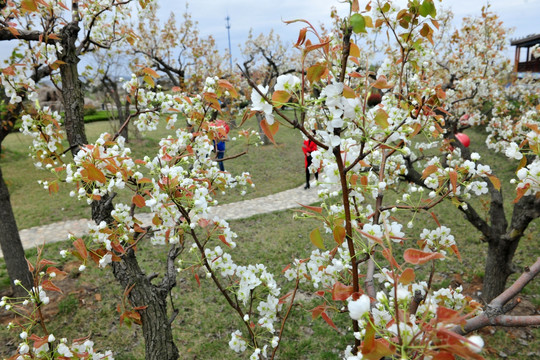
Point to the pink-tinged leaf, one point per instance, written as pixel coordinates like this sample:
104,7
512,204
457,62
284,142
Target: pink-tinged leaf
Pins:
355,50
150,72
316,209
30,266
328,320
224,240
381,350
316,72
348,92
435,218
521,192
48,285
29,5
339,233
315,313
94,174
369,339
39,341
453,180
382,83
387,253
429,170
156,220
59,274
417,257
456,251
138,200
341,292
381,118
280,98
316,238
270,130
495,181
301,37
407,276
81,248
320,293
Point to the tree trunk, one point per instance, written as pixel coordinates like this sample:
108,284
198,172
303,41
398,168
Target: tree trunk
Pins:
157,332
72,94
11,245
498,267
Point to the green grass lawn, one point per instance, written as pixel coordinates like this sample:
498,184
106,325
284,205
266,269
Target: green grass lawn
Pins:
88,306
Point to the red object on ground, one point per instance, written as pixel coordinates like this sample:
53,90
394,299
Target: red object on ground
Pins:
464,139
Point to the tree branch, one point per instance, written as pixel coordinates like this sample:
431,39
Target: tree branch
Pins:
494,313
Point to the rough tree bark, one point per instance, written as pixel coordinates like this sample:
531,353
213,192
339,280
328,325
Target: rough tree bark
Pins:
156,324
10,241
11,245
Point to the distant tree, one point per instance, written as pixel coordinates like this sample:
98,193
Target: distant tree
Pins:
177,49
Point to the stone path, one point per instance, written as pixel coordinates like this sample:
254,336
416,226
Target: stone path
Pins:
288,199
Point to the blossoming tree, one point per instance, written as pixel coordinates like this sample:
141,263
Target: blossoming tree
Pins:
365,269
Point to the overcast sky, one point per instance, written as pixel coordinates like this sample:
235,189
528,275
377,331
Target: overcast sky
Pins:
522,15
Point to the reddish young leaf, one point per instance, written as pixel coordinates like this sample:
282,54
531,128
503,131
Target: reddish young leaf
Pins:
369,339
381,349
316,209
81,248
58,273
315,313
339,233
48,285
417,257
29,5
387,253
382,83
38,341
407,276
453,180
280,98
429,170
521,192
435,218
316,72
495,181
328,320
224,240
269,130
94,174
341,292
355,50
138,200
150,72
456,251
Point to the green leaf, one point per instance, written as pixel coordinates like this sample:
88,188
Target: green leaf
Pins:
316,238
381,118
428,8
358,23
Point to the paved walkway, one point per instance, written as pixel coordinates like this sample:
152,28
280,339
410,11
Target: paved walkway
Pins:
288,199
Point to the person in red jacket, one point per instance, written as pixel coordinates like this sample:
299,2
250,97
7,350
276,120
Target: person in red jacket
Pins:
308,147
